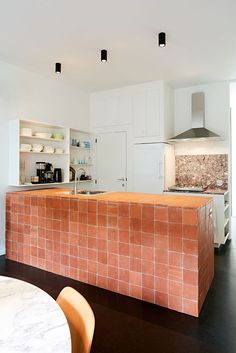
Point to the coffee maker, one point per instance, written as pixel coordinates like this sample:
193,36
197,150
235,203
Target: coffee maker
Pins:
44,171
48,175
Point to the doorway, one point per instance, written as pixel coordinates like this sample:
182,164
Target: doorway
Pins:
111,161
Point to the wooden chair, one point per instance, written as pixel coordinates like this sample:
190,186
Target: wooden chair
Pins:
80,318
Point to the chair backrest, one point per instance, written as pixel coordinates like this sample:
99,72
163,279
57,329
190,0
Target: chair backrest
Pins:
80,318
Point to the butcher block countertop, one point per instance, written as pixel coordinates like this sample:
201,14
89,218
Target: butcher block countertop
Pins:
130,197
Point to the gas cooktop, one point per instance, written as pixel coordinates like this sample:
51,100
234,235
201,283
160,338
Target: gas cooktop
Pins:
186,188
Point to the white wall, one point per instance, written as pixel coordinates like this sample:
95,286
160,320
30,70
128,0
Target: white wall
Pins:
233,146
26,95
217,117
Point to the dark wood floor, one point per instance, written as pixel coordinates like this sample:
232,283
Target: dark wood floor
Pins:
125,325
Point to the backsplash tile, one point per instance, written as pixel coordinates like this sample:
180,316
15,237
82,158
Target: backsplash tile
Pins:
202,170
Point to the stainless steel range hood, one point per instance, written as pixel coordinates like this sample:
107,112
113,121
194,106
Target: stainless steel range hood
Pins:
198,130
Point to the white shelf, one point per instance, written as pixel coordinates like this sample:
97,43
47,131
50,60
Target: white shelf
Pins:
59,154
43,138
42,184
80,181
81,148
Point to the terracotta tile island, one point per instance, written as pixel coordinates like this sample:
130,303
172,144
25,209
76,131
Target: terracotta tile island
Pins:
158,248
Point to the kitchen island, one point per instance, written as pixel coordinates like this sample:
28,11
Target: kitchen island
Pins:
158,248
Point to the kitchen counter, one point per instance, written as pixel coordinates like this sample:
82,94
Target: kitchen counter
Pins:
157,248
130,197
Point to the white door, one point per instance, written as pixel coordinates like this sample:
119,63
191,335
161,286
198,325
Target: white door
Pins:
111,151
149,168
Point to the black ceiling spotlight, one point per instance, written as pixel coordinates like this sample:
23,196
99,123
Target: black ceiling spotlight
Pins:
103,55
58,68
162,39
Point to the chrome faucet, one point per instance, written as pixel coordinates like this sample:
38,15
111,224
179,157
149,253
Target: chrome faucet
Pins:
76,176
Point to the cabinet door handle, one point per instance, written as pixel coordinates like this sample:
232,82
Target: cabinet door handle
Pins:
121,179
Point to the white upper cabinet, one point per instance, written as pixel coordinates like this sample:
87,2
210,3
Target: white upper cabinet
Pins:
147,113
146,108
110,108
217,108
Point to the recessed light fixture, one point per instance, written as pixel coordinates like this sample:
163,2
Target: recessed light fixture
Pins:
162,39
58,68
103,55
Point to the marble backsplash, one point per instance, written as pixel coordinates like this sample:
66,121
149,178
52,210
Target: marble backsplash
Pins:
207,171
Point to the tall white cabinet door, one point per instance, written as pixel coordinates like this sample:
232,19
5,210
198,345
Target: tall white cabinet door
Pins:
139,114
153,117
149,168
112,110
125,109
147,113
98,111
111,152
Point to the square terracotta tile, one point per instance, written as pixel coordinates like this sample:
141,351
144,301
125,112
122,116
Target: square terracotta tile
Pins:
161,299
190,307
135,251
190,292
176,288
148,295
175,259
147,226
161,256
161,228
148,212
161,213
102,208
190,262
135,211
135,265
123,262
112,209
136,291
175,214
161,285
135,224
190,216
124,236
123,210
124,275
135,237
175,303
190,277
148,281
147,253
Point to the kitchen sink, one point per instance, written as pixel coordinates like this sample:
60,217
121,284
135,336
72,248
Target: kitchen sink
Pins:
90,192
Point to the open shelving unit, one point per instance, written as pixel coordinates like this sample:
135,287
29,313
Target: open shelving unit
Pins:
81,156
22,164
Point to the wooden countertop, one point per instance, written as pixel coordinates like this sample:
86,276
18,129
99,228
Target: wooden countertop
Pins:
130,197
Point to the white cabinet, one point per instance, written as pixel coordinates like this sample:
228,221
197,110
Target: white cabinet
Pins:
22,162
147,114
110,108
217,108
146,108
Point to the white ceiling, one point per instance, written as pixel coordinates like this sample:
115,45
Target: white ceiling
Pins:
201,40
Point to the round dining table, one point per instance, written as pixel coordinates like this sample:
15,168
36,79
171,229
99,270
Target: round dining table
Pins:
31,321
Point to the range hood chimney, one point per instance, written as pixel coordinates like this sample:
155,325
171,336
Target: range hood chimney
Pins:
198,130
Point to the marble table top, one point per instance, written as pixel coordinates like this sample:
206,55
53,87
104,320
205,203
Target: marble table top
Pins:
30,320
